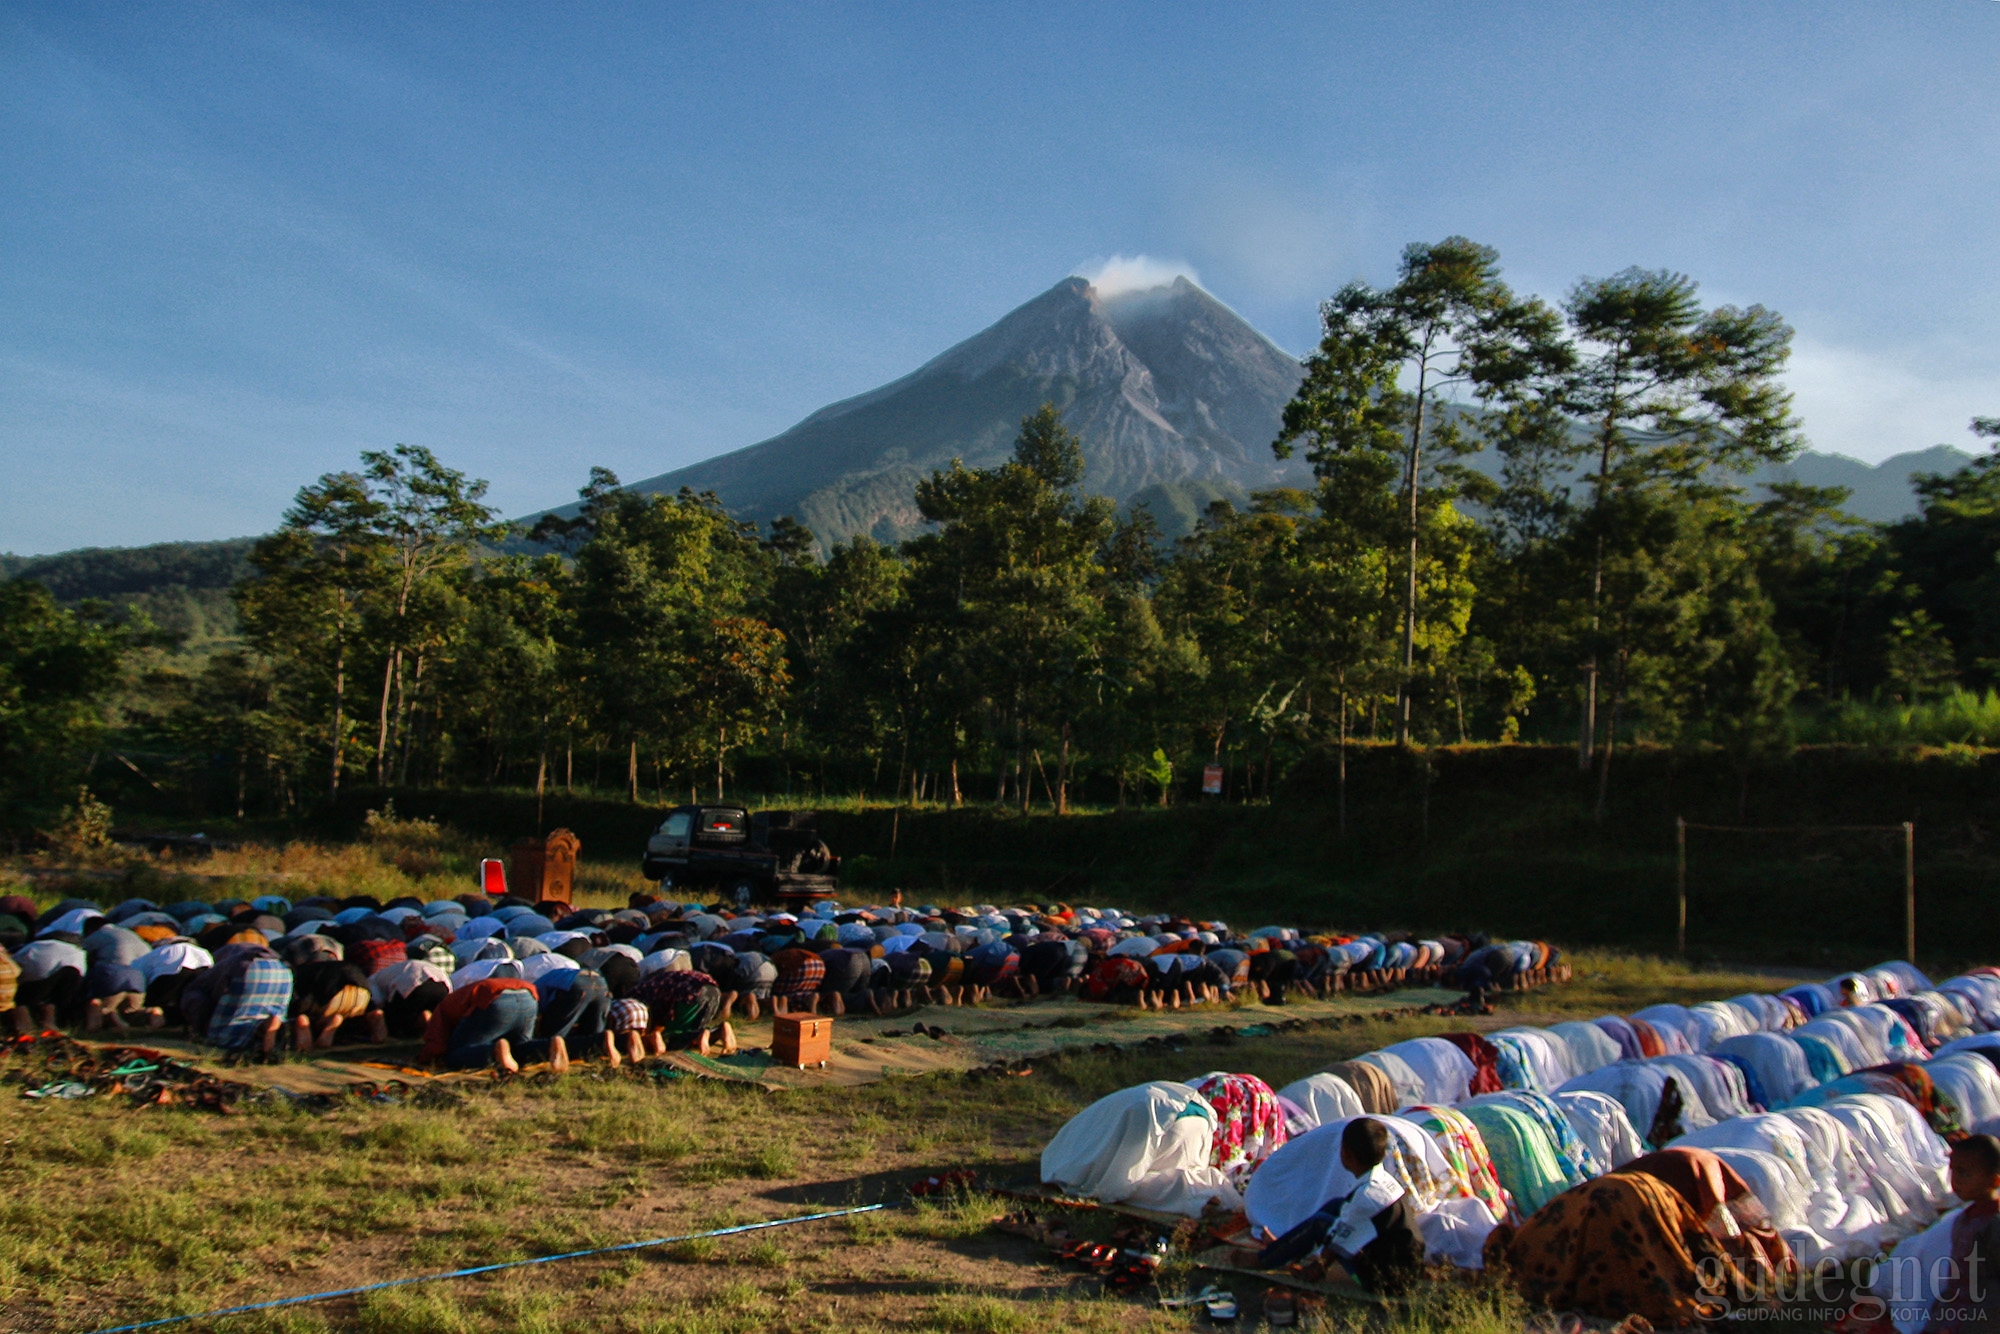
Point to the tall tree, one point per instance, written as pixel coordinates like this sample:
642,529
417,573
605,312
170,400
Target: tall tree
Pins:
1674,398
426,518
303,606
1448,323
651,582
1011,579
1948,554
57,667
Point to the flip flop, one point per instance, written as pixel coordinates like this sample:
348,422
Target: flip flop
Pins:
1193,1299
1091,1254
1221,1308
1280,1310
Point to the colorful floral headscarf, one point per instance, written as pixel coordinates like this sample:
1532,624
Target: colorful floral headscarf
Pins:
1249,1123
1463,1148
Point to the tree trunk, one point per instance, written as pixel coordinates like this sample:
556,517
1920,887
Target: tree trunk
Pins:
632,770
721,748
569,764
406,722
398,725
541,786
1341,785
957,797
382,721
1062,774
1021,765
339,720
1610,735
1410,592
1587,732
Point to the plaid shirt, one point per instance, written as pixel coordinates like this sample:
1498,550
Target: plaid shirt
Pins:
671,986
263,993
800,972
371,956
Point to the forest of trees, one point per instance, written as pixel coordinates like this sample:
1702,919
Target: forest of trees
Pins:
1618,581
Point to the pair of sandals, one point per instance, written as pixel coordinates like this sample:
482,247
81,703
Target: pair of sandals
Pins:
1220,1306
1123,1270
1281,1306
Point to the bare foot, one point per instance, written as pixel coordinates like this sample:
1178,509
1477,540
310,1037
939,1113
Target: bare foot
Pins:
156,1017
302,1034
728,1040
378,1026
93,1016
503,1057
272,1027
558,1056
325,1042
611,1055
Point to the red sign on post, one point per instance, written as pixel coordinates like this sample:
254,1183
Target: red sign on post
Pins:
1211,780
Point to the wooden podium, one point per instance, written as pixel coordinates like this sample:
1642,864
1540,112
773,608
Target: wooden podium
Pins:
544,868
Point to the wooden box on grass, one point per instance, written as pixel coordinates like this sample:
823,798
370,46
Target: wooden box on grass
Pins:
801,1039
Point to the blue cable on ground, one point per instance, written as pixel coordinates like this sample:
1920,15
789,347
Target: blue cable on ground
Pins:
487,1269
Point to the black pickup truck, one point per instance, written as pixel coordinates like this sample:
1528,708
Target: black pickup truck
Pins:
750,858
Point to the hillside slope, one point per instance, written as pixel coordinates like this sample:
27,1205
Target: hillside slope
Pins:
1164,386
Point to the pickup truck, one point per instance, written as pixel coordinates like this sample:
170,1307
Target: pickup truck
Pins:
750,858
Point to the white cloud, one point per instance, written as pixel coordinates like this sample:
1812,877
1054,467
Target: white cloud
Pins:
1869,405
1133,273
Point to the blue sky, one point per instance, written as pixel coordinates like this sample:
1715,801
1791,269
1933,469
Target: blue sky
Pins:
240,243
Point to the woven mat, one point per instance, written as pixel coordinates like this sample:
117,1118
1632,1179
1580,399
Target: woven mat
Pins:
866,1048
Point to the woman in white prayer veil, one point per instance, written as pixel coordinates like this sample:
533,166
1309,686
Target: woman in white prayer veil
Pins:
1147,1146
1601,1123
1323,1098
1444,1073
1590,1047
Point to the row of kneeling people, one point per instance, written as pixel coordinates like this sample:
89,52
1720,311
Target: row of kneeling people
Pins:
1767,1134
346,970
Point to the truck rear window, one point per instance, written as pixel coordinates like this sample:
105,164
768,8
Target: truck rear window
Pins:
728,824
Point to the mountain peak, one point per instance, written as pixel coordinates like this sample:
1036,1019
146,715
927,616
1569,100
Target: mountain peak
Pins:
1163,384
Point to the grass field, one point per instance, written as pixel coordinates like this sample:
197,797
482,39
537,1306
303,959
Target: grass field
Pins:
112,1214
